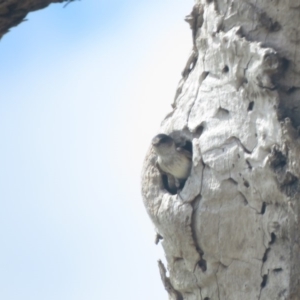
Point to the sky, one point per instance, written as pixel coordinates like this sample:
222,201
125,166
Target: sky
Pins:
83,91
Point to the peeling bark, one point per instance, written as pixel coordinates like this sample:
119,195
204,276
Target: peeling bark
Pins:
13,12
233,230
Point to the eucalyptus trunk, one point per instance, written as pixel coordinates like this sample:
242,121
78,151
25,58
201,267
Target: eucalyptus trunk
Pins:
232,232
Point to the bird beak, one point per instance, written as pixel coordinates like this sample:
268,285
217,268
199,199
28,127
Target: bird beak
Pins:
155,141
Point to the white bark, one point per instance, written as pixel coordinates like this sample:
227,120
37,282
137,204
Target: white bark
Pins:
233,231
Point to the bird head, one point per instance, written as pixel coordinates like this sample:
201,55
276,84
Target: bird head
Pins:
163,143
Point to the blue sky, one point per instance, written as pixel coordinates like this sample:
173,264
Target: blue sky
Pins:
84,89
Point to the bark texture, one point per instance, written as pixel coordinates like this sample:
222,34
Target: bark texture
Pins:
233,231
13,12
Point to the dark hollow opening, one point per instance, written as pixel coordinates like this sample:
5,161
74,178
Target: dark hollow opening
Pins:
225,69
199,130
246,183
264,281
284,64
291,90
250,106
273,238
265,257
249,165
188,146
277,270
275,26
263,208
202,264
278,161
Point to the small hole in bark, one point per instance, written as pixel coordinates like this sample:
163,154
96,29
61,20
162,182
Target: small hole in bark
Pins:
249,165
284,64
202,264
177,259
246,183
277,270
290,185
250,106
291,90
199,130
273,238
263,208
225,69
206,298
198,249
265,257
264,281
232,181
278,160
275,26
222,113
238,156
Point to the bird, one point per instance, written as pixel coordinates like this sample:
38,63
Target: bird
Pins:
175,162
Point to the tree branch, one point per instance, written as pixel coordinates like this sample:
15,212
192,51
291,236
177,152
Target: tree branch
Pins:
13,12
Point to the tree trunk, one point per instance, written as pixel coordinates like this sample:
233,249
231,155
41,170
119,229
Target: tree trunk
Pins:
13,12
232,232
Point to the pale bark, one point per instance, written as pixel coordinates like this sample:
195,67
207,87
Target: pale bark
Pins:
13,12
233,231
